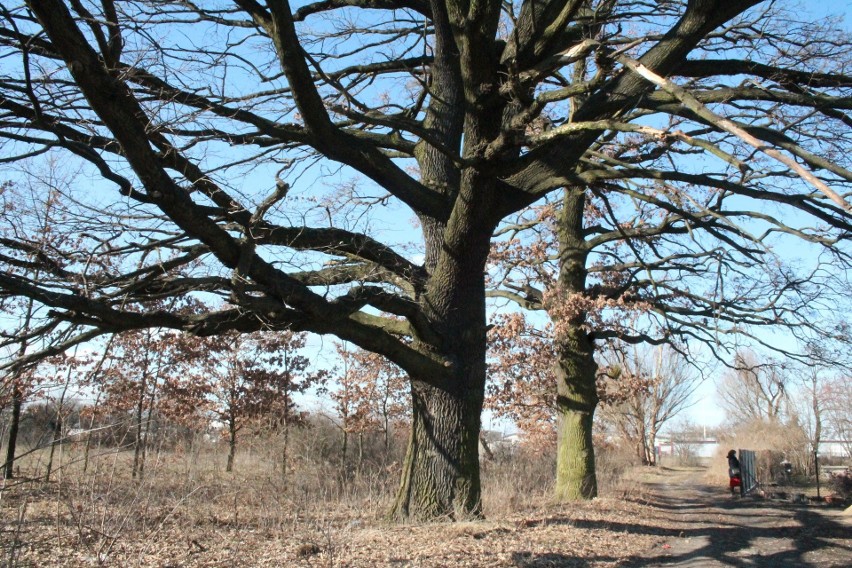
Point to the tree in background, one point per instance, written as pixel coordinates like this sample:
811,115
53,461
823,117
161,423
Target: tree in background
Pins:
371,396
16,391
685,437
659,283
640,389
38,226
283,372
820,406
235,397
198,119
756,390
386,392
351,406
521,387
65,370
810,411
766,411
640,232
837,409
658,387
33,399
141,364
54,387
184,403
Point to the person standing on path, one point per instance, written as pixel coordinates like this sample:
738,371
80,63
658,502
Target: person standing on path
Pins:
734,473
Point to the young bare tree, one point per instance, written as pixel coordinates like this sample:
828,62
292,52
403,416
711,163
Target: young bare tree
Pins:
757,389
35,218
284,371
372,395
660,387
837,409
237,395
66,372
382,391
16,386
142,365
198,119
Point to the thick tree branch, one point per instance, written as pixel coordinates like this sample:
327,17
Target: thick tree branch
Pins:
701,110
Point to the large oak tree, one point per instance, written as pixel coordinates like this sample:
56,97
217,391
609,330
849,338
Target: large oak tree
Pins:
200,116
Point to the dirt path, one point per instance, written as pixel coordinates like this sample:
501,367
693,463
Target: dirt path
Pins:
707,528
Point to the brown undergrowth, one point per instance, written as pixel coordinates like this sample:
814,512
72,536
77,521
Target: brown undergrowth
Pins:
187,511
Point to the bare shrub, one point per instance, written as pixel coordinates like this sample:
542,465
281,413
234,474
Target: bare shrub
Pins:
612,463
519,480
841,483
773,442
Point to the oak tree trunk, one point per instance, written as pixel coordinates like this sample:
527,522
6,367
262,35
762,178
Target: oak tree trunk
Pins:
576,402
576,368
440,475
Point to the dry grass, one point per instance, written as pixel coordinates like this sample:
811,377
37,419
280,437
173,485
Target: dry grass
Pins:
188,512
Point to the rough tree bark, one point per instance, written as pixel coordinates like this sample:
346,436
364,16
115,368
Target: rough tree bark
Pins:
440,475
441,468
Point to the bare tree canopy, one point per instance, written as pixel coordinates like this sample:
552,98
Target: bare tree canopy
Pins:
645,390
200,142
756,390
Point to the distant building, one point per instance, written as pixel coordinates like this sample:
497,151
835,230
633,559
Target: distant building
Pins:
835,449
492,441
699,448
707,448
